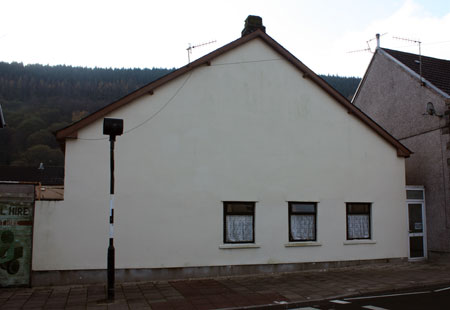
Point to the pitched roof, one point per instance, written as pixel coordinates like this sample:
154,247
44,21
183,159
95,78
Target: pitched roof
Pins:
72,130
46,176
434,70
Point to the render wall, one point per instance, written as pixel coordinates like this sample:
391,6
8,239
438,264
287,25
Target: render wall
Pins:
395,99
247,128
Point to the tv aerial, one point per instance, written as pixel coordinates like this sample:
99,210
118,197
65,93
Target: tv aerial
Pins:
420,54
190,48
368,48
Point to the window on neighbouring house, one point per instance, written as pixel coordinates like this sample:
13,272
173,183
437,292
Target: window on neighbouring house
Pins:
239,222
302,221
358,221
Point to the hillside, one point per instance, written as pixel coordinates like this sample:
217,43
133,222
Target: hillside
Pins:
37,100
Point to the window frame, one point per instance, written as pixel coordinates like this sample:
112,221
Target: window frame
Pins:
225,213
290,204
369,213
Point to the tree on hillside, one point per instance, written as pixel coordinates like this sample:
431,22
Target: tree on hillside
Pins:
40,153
37,100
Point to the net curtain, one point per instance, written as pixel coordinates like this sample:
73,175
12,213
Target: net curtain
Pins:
302,227
358,226
239,228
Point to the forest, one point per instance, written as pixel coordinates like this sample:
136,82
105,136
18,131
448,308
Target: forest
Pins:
37,100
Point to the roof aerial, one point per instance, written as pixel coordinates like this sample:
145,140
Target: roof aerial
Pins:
434,70
419,61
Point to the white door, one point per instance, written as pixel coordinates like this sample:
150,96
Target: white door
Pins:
416,223
416,232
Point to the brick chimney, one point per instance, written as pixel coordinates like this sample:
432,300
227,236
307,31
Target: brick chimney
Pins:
253,23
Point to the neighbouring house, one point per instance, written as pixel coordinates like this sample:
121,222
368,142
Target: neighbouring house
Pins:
48,181
21,189
243,161
409,96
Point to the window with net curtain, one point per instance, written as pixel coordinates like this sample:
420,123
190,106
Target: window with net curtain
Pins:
358,221
302,221
239,222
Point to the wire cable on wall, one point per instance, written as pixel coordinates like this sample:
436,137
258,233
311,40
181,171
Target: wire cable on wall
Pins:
174,95
162,107
149,118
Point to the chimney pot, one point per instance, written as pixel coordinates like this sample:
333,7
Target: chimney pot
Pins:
253,23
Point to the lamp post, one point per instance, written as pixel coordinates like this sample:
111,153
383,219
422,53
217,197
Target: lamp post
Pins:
112,127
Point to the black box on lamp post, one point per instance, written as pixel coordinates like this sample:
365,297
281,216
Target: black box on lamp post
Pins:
113,126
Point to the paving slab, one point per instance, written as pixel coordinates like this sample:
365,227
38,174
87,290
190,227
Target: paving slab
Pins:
270,291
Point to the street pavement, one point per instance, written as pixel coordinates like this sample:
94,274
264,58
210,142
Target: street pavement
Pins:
272,291
435,298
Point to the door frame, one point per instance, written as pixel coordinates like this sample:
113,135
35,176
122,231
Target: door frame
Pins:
424,222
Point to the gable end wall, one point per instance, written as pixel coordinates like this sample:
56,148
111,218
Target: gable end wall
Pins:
249,127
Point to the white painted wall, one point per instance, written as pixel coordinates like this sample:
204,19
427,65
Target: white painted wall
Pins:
248,127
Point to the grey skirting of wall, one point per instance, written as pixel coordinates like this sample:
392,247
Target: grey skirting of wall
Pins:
66,277
438,255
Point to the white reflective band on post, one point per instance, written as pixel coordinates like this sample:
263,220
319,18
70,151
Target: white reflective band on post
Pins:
111,214
111,204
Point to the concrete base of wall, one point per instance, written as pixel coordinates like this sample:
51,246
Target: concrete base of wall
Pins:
438,256
70,277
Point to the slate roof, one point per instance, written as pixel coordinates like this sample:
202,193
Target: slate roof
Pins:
46,176
434,70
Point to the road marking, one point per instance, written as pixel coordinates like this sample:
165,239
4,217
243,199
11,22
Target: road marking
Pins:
342,302
442,289
374,308
390,295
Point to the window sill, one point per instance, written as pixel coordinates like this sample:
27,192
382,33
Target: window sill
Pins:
360,241
302,244
239,246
